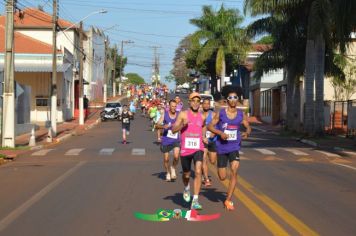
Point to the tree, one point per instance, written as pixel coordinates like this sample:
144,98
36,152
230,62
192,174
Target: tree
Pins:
180,70
345,88
135,79
118,62
329,25
266,40
219,34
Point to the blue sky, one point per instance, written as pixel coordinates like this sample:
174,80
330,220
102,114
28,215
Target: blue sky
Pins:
161,23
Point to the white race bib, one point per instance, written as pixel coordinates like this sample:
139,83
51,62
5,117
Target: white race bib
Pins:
192,143
126,120
232,135
207,134
171,135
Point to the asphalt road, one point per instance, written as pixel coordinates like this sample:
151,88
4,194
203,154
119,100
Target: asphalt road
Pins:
92,185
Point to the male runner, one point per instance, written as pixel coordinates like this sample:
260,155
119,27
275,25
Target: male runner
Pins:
126,119
170,141
191,123
228,144
209,142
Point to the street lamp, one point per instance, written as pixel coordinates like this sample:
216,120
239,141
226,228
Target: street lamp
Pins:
102,11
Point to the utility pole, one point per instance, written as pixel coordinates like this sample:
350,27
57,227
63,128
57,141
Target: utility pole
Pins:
122,63
105,71
8,124
155,65
81,101
114,74
52,130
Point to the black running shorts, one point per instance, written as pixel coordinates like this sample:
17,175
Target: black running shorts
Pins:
227,157
168,148
186,161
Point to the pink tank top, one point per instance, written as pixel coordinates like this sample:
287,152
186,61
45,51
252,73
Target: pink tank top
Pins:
192,135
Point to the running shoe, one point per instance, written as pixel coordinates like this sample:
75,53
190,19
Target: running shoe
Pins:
173,173
186,195
195,205
168,177
229,205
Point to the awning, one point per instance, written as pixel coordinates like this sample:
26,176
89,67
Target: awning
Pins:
19,67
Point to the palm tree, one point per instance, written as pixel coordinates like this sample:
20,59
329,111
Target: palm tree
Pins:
329,25
220,34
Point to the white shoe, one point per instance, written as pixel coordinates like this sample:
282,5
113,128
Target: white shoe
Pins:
173,173
168,177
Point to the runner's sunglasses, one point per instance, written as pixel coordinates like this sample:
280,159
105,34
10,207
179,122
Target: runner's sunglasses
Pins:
232,98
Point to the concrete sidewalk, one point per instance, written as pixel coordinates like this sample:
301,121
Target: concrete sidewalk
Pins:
65,130
329,142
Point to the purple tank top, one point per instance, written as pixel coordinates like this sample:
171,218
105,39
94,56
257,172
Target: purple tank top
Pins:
168,137
232,129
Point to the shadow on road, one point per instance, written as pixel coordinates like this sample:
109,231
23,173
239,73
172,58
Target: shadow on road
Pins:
178,200
212,195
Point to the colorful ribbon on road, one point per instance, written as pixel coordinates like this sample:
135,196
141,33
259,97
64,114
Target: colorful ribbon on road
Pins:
165,215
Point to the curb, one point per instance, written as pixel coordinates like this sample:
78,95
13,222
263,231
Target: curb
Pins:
309,142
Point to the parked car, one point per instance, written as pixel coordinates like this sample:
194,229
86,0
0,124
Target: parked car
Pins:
178,91
112,110
211,98
185,91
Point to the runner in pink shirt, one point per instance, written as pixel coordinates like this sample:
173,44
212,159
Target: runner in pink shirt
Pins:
191,123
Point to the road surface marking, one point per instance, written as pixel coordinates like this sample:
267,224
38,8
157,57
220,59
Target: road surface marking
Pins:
272,158
290,219
329,154
260,214
305,159
138,152
350,153
296,152
43,152
74,152
35,198
106,151
347,166
259,129
265,151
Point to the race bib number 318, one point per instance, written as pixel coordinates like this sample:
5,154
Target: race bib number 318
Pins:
192,143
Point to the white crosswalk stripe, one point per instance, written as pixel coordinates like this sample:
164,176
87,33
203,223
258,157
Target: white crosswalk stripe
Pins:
329,154
42,152
106,151
138,152
74,152
296,152
265,151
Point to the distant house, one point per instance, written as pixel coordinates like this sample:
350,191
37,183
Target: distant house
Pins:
33,70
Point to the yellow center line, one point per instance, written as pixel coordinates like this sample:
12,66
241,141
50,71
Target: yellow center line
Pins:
261,215
290,219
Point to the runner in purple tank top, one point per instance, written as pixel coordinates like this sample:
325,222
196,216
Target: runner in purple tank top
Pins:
170,141
228,144
191,123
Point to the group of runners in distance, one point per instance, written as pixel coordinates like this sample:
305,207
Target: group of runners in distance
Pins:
197,135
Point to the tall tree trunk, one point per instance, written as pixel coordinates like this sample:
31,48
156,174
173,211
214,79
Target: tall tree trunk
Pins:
319,85
309,88
296,105
290,90
222,73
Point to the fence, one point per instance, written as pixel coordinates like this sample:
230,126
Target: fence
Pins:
340,117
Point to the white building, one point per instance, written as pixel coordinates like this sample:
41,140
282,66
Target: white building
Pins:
33,70
94,64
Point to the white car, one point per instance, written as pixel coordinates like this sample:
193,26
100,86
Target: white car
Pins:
210,97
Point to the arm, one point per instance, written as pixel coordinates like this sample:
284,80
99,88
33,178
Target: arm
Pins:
247,126
211,127
160,125
204,129
180,122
